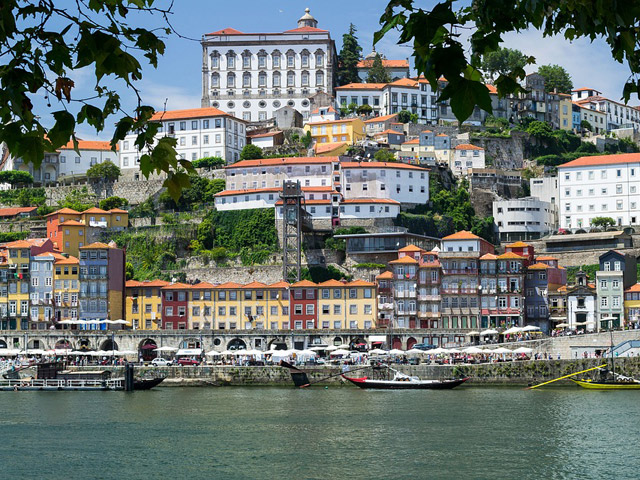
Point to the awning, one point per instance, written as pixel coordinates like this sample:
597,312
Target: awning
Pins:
189,351
377,338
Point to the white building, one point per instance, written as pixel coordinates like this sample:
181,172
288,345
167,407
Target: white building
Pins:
251,75
91,153
466,156
200,133
599,186
545,189
523,218
618,115
395,68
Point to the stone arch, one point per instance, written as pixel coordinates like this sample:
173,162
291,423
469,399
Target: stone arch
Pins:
190,342
109,345
396,342
357,343
50,173
34,344
337,341
84,344
278,344
63,344
236,344
411,342
3,344
146,347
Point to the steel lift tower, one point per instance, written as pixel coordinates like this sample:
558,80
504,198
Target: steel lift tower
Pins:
293,216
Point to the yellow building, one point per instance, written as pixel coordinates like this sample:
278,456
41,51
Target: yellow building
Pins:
17,299
632,304
114,218
565,112
362,305
143,304
227,315
350,130
201,306
72,235
277,311
332,305
66,287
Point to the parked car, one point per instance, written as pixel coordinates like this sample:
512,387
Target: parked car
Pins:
188,361
161,362
424,346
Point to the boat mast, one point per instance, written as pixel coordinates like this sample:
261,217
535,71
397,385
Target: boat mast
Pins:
613,367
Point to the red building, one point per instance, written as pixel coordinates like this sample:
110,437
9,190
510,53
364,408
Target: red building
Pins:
524,250
175,304
304,305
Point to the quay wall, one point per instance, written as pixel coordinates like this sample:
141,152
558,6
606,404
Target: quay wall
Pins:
520,373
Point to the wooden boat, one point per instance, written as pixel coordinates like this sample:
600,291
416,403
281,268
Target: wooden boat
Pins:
400,381
613,381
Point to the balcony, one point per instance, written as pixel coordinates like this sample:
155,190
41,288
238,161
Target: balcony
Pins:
405,276
406,312
429,315
405,294
460,271
385,306
456,291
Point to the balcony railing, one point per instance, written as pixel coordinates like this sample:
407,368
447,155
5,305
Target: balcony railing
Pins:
455,291
404,294
428,314
385,306
460,271
405,276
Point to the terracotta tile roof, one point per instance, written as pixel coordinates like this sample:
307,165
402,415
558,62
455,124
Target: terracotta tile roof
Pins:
538,266
367,63
254,285
94,210
413,141
306,30
71,223
633,288
272,162
155,283
405,82
248,191
491,89
603,160
332,283
545,257
261,135
383,118
12,212
385,276
360,283
510,255
329,109
203,285
488,256
97,245
328,147
64,211
177,286
88,145
280,284
227,31
362,86
403,166
67,261
468,146
583,89
188,113
518,244
228,285
405,259
462,235
410,248
370,200
304,283
442,135
389,131
331,122
118,210
318,189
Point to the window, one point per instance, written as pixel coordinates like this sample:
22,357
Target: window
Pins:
604,302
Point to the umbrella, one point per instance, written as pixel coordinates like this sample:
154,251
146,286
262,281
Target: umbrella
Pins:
340,351
344,346
512,330
120,322
127,352
562,325
308,352
471,334
318,349
165,349
213,353
415,351
489,332
530,328
396,351
501,350
523,350
473,350
453,350
378,351
331,348
437,351
9,352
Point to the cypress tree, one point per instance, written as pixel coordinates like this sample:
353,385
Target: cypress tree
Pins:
377,72
349,57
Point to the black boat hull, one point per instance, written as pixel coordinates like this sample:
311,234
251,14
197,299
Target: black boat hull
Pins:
146,384
399,385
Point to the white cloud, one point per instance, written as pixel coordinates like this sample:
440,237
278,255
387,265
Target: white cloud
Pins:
176,98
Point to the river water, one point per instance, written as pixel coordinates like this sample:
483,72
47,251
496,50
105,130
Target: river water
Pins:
318,433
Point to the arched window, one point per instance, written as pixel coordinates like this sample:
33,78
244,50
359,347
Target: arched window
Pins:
305,58
215,59
304,78
276,79
319,78
291,59
276,57
231,59
319,58
246,80
246,59
215,80
291,79
231,80
262,79
262,59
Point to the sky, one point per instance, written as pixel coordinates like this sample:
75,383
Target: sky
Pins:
178,78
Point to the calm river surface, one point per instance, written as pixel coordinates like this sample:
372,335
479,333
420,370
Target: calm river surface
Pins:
335,433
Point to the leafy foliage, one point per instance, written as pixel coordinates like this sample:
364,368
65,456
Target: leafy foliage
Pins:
208,162
78,200
321,274
149,259
23,197
384,155
556,78
349,57
104,172
371,265
602,222
377,72
44,44
16,177
365,109
404,116
250,152
202,191
502,61
439,49
143,210
239,229
13,236
113,202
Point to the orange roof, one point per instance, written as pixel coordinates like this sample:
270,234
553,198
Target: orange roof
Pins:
67,261
329,109
117,210
427,131
582,89
229,285
367,63
88,145
412,141
146,283
633,288
360,283
539,266
491,88
510,255
545,257
176,286
462,235
518,244
468,146
261,135
410,248
331,283
405,259
603,160
71,223
404,166
11,212
64,211
328,147
382,118
331,122
227,31
254,285
304,283
280,284
362,86
94,210
248,191
17,244
97,245
205,285
385,276
369,200
272,162
306,29
388,131
405,82
188,113
442,135
488,256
